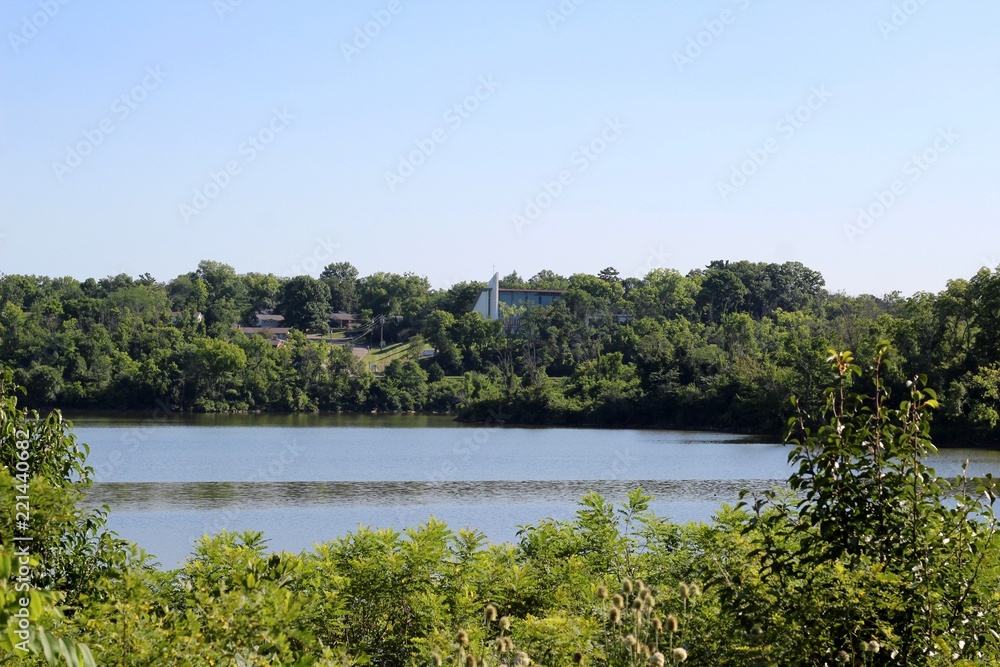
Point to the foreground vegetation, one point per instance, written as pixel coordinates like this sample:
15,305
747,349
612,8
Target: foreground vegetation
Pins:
868,558
720,347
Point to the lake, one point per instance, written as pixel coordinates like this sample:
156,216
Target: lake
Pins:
303,479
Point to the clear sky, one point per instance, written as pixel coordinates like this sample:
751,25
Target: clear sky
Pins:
276,136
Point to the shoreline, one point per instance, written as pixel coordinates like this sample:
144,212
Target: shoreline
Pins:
944,441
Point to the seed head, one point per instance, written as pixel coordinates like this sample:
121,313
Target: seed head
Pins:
680,654
617,601
672,624
640,585
462,638
577,658
602,592
521,659
636,604
631,641
491,613
437,660
874,646
843,656
657,660
695,590
615,615
505,623
470,661
685,590
627,587
658,625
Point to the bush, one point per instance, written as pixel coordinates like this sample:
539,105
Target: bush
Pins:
875,559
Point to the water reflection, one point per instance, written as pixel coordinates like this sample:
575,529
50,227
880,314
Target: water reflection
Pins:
110,419
205,496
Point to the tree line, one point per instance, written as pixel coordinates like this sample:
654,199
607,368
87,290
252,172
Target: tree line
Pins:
720,347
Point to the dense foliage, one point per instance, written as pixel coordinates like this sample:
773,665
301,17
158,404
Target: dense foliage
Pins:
721,347
873,560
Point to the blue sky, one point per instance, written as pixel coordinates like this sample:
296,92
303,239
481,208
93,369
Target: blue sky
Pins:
146,136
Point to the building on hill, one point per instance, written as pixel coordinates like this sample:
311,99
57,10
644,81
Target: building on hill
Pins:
268,320
490,299
275,335
342,320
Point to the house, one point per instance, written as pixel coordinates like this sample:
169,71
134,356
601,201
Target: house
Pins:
342,320
275,335
267,320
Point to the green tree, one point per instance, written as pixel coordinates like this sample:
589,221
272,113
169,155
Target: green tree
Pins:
546,279
663,293
263,292
870,548
342,279
405,295
721,291
459,298
226,298
306,304
513,281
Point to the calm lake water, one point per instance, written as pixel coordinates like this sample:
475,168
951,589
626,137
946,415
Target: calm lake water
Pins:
304,479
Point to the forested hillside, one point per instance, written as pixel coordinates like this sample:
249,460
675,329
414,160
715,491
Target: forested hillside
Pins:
721,347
